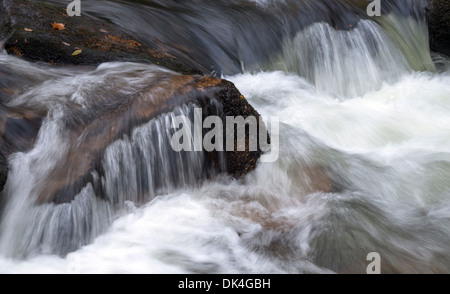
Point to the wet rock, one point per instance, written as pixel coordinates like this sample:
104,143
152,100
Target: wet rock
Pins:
18,132
438,14
3,171
27,28
89,133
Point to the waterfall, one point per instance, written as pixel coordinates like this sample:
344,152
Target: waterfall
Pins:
137,168
344,63
364,161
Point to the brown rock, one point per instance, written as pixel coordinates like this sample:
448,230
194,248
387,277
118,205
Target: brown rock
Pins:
89,133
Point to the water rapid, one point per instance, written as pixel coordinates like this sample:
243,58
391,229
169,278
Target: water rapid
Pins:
364,149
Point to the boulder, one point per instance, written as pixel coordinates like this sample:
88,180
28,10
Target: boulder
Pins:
90,132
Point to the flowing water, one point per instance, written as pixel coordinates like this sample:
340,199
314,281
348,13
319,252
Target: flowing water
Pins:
365,110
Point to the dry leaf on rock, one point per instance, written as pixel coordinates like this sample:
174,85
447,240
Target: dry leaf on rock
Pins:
58,26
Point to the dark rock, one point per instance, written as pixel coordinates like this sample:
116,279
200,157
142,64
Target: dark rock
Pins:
3,171
99,40
438,14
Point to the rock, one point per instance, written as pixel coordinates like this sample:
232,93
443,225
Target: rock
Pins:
3,171
90,132
27,26
438,14
18,131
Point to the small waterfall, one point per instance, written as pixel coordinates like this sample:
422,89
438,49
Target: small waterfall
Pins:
411,36
144,165
136,168
58,195
345,63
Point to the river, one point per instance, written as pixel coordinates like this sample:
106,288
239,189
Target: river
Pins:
366,108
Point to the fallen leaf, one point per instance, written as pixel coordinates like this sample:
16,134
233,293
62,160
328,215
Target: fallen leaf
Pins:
28,30
67,44
58,26
103,31
77,52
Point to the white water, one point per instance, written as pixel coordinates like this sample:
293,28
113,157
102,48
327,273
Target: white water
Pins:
343,63
387,148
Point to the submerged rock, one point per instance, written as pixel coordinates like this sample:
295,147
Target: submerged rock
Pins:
438,14
28,29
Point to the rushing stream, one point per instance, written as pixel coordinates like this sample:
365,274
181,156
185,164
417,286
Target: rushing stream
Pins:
366,108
